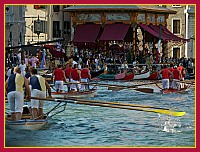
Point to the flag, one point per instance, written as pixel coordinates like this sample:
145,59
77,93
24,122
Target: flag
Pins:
42,65
158,51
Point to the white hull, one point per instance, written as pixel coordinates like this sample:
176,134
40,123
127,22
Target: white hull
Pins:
141,76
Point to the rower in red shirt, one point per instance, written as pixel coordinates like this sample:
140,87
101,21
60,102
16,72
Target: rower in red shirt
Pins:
165,77
59,76
183,73
68,74
171,69
85,77
176,78
75,77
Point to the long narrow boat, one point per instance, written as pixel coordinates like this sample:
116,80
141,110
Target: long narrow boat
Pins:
142,75
153,76
26,123
111,76
80,94
167,91
129,76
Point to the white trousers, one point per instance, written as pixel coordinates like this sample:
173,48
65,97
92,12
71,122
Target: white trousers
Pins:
16,101
59,85
39,94
84,86
165,83
75,86
176,84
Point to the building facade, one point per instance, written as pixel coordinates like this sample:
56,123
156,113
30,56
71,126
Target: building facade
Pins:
14,25
182,24
26,24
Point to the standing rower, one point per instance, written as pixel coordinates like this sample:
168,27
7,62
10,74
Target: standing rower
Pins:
14,85
67,74
85,77
76,77
176,78
183,73
38,89
165,77
59,76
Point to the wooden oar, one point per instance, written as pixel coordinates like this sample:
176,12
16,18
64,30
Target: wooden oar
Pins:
145,90
162,111
111,103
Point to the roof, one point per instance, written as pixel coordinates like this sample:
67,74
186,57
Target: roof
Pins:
139,8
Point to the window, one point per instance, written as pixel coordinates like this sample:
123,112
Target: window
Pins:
21,12
39,6
56,29
56,8
176,5
176,26
67,27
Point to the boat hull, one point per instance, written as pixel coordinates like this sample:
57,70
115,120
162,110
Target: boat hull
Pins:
153,76
112,76
142,76
26,124
129,77
84,94
167,91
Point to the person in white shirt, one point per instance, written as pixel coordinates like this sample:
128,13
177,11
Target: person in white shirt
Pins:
19,56
22,67
124,66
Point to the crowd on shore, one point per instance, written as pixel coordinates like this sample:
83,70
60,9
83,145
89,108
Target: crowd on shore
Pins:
113,63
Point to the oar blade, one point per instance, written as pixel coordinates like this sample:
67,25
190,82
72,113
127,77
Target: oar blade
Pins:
145,90
169,112
114,88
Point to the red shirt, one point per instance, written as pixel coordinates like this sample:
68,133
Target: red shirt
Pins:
165,73
171,69
67,72
176,74
58,75
181,69
74,74
84,73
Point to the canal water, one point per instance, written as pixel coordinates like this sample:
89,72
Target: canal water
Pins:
92,126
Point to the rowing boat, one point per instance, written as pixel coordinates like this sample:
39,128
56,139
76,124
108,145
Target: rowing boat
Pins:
80,94
153,76
119,76
129,76
167,91
26,124
171,90
142,75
